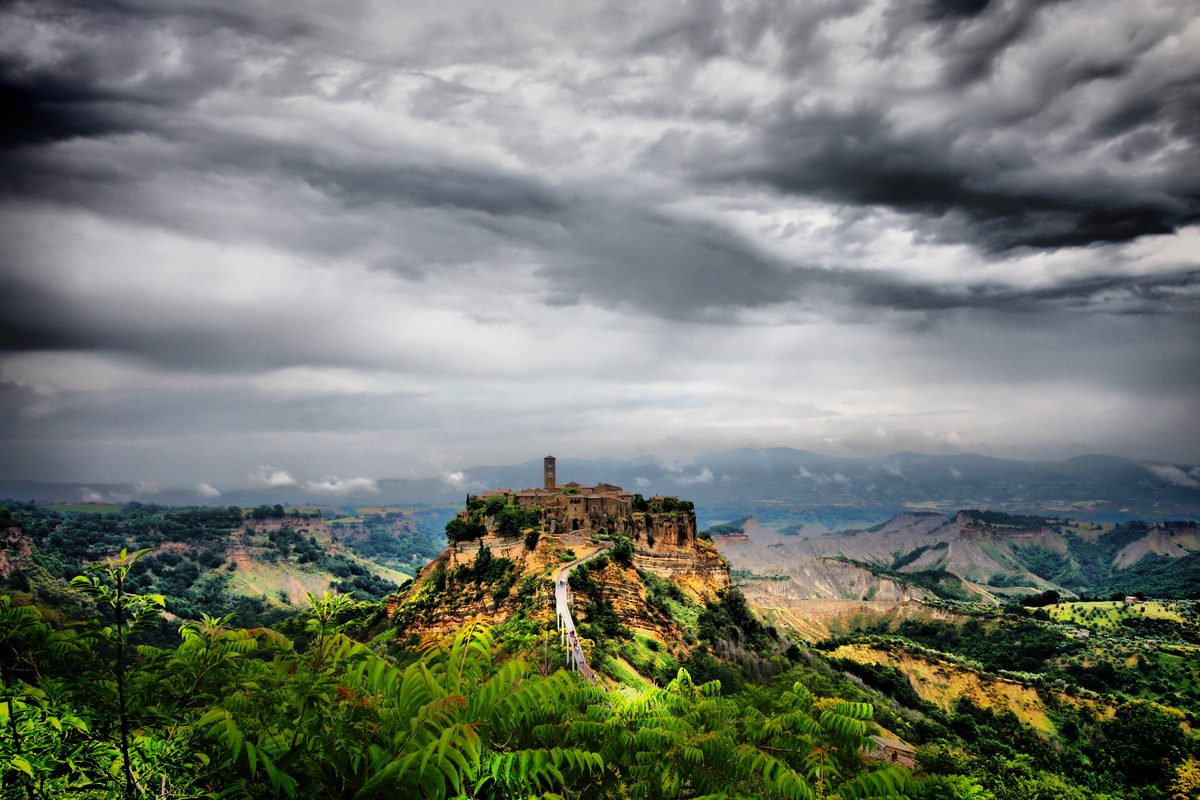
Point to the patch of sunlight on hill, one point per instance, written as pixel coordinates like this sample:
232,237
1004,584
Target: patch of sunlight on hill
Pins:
1107,615
942,682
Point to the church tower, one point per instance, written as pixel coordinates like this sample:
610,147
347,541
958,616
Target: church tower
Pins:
548,473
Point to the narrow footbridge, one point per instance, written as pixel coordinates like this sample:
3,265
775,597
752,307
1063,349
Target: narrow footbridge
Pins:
566,625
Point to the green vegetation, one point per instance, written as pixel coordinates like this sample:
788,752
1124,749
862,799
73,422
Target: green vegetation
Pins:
727,528
461,530
395,538
622,551
487,572
284,543
731,618
899,561
1050,564
334,703
1012,645
747,575
79,537
1153,575
998,519
670,505
1110,615
486,579
508,521
189,565
1133,754
246,713
1141,663
672,602
939,582
600,621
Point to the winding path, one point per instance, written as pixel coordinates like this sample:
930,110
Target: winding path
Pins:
562,605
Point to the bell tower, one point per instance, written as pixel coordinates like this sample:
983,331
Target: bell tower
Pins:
548,472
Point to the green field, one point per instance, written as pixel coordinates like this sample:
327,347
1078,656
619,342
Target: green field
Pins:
1107,614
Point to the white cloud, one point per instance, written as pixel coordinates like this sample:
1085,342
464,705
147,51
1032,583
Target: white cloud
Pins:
206,491
705,476
338,488
88,495
821,480
1174,475
267,475
641,482
456,479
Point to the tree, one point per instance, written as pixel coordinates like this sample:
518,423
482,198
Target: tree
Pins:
36,735
1185,785
622,551
460,530
131,614
688,739
510,522
456,722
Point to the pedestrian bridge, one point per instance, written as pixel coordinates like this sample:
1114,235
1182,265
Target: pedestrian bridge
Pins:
566,623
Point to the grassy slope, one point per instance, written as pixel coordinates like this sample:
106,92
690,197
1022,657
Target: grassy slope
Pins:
1107,615
257,577
942,682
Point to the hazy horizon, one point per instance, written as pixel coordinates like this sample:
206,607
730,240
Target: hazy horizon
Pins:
364,241
684,478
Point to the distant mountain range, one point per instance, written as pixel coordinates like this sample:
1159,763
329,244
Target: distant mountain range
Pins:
1093,486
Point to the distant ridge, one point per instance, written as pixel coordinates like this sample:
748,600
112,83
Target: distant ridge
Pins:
1084,486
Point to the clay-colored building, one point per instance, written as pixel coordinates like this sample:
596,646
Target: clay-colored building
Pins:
574,507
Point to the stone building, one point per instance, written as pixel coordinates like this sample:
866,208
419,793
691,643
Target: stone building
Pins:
573,507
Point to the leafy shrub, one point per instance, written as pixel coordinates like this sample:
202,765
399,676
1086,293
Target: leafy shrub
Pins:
461,530
622,551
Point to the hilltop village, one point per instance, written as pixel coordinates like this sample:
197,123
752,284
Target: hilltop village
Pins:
505,547
603,508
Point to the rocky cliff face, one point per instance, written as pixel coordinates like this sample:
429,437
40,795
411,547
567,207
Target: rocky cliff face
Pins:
499,579
517,580
908,543
15,549
828,578
676,528
697,567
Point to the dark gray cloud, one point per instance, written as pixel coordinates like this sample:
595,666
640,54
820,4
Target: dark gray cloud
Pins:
746,224
993,175
966,192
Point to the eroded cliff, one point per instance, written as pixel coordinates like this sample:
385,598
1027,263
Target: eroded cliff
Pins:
509,579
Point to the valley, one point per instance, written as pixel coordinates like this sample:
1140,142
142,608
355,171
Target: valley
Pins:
984,651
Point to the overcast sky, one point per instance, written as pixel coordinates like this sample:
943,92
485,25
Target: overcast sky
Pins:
313,241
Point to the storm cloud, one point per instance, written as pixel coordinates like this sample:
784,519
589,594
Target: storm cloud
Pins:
397,243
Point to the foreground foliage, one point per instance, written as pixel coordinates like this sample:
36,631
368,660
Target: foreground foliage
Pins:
245,713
